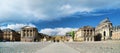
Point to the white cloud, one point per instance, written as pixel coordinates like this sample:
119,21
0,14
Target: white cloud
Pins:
70,9
16,26
57,31
33,10
66,7
24,9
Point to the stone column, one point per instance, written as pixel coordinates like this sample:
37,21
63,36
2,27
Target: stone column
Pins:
29,33
21,33
33,35
25,33
32,32
89,32
86,39
93,38
90,38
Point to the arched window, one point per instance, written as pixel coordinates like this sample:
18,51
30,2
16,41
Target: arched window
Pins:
104,33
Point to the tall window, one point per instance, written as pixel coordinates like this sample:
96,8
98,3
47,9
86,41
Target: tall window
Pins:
104,33
110,33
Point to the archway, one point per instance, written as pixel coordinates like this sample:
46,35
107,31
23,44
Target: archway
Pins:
110,33
98,37
58,40
104,33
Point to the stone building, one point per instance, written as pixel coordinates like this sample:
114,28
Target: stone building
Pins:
116,33
85,33
1,35
29,34
59,39
40,37
10,35
104,30
43,37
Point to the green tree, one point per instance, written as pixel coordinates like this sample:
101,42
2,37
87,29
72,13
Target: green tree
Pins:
72,34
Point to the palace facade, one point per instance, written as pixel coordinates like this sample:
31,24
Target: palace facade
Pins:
102,32
10,35
26,34
85,33
29,34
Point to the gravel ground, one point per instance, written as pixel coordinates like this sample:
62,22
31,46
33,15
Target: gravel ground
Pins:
82,47
21,47
96,47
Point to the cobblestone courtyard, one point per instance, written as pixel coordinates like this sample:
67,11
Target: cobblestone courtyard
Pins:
96,47
71,47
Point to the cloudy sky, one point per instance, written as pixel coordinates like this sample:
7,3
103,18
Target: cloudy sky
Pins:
55,17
